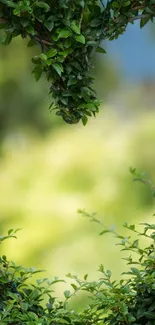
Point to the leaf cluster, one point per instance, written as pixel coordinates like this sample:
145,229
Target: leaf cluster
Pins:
23,302
69,33
132,299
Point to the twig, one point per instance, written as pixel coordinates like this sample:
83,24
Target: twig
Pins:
140,17
81,18
140,7
2,21
37,38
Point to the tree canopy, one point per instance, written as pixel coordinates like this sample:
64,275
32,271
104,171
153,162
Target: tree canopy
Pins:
69,33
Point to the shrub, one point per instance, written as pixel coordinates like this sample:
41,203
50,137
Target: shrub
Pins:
128,301
22,302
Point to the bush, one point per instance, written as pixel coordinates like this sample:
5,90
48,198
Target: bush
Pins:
23,302
128,301
131,300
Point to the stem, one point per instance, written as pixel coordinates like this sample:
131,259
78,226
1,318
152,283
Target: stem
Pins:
140,7
40,40
140,17
3,21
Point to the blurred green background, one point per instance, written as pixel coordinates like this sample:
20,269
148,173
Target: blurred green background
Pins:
48,170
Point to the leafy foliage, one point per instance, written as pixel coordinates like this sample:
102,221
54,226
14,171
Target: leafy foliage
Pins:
128,301
143,178
21,301
68,33
131,300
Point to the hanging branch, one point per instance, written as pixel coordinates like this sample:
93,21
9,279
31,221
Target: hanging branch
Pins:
69,33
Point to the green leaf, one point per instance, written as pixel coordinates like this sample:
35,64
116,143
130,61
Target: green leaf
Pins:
104,232
92,43
74,286
126,3
72,81
9,3
108,273
30,30
85,277
84,119
43,56
116,4
75,27
24,305
95,22
49,24
67,43
135,271
144,21
42,5
31,43
10,231
80,39
150,314
82,3
6,39
37,71
100,50
64,33
51,53
131,318
24,21
58,68
67,294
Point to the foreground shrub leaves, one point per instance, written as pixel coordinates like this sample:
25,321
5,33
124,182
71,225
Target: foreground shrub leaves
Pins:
129,301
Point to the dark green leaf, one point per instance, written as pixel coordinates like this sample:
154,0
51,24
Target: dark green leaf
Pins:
58,68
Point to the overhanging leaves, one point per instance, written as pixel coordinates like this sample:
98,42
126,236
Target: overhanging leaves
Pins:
68,32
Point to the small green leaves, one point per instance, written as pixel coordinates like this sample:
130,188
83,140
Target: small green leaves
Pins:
129,300
68,33
6,39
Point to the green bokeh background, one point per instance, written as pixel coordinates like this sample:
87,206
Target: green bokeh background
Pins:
48,170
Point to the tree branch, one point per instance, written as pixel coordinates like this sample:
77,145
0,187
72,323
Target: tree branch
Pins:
3,21
140,17
38,39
